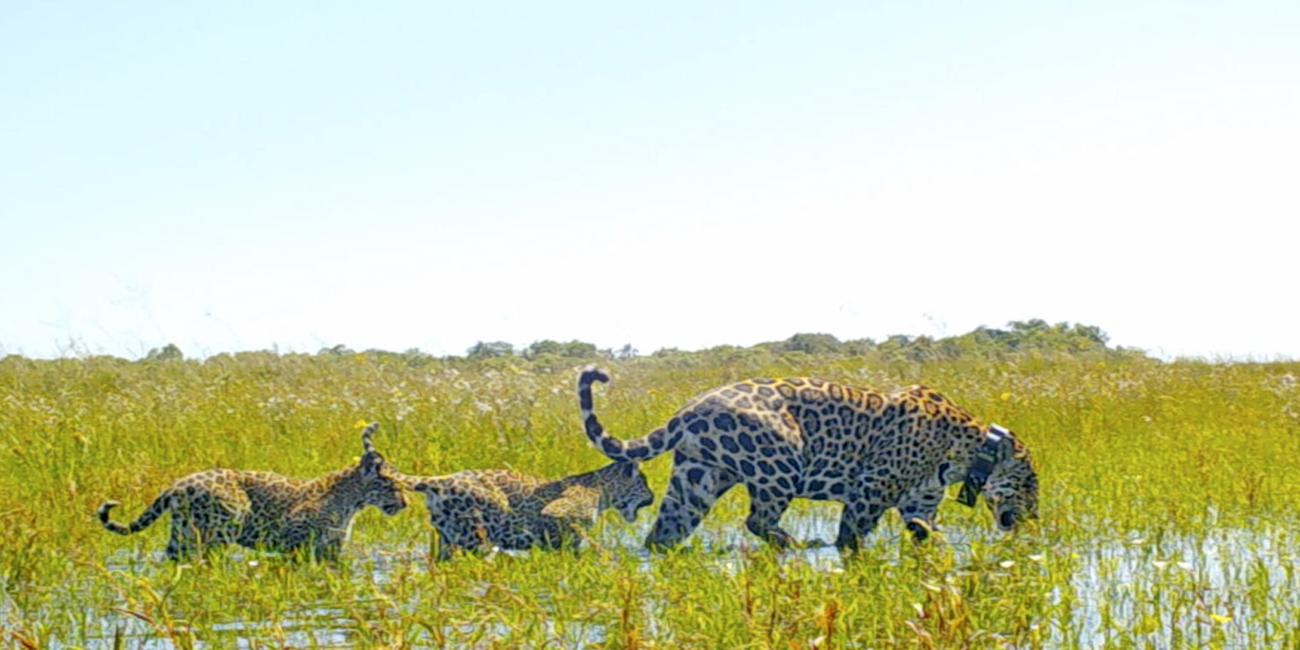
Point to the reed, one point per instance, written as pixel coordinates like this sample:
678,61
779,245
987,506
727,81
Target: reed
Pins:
1169,510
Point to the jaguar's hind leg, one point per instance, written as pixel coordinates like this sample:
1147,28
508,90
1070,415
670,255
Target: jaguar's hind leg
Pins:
765,509
190,537
692,491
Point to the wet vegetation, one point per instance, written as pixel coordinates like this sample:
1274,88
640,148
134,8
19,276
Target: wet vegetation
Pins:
1170,503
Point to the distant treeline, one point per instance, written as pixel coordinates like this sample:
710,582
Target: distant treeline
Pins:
1035,337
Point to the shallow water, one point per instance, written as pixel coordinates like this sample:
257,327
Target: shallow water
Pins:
1235,583
1237,577
1227,586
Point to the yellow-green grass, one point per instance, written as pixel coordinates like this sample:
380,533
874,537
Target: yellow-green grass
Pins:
1169,510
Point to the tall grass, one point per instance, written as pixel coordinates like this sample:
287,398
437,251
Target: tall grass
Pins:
1169,511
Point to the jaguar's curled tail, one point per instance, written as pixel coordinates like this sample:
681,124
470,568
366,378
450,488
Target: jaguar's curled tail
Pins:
155,510
650,446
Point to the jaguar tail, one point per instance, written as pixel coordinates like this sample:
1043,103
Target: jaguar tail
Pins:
155,510
650,446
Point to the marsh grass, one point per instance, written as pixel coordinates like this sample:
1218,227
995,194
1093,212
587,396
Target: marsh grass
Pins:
1169,511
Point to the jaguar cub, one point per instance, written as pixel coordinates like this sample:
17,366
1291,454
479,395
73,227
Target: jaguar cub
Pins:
475,510
269,511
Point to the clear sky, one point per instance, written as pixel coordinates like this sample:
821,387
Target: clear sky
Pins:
394,175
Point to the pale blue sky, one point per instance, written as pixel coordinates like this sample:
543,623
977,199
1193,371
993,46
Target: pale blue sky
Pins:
232,176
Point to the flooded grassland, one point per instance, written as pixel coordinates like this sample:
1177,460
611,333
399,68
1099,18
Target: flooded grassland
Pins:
1168,512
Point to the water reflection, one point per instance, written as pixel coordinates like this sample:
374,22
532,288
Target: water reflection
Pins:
1226,584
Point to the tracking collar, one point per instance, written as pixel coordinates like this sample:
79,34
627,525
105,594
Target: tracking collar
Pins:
981,465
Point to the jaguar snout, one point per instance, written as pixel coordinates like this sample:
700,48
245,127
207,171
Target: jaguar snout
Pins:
1007,520
1010,518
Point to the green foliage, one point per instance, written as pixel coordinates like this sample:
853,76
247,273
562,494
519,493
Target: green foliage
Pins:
1023,338
808,344
1169,505
339,350
168,352
493,350
1034,338
570,350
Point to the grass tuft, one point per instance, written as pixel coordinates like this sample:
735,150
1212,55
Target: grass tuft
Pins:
1169,511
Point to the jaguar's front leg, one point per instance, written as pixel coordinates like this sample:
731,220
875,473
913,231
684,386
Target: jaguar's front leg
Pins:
858,519
918,507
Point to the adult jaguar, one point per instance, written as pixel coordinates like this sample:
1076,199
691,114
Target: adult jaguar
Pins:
477,509
787,438
269,511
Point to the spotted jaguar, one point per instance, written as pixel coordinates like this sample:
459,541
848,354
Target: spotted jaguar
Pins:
475,510
788,438
268,511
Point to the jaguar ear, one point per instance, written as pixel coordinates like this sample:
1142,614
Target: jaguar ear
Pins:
1014,448
1009,447
370,464
366,445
